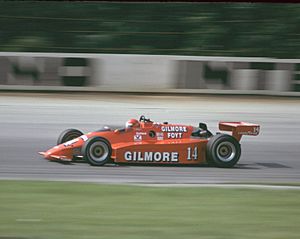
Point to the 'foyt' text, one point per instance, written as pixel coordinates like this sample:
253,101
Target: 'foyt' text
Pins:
174,132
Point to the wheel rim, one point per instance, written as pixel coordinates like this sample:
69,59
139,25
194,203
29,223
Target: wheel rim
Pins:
98,151
226,151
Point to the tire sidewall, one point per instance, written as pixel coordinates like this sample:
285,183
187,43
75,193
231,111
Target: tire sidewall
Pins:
86,149
212,146
68,135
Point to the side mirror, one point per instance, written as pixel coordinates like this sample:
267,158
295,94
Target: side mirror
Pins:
203,126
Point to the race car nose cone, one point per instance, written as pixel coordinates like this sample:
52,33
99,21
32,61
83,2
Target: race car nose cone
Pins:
58,152
42,153
46,155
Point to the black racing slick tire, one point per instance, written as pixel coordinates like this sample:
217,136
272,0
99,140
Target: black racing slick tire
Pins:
223,151
68,135
96,151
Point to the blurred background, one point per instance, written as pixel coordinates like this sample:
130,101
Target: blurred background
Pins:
221,46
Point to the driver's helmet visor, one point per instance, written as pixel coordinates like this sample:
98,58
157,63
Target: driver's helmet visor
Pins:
129,124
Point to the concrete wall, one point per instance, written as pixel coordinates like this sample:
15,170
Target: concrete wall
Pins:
149,71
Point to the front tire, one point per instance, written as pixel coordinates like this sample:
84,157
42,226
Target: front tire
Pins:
223,151
68,135
96,151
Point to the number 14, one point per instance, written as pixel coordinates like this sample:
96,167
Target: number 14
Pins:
192,154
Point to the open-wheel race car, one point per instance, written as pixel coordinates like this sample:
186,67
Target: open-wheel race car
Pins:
147,142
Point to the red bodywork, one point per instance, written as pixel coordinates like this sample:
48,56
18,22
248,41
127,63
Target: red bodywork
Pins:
152,143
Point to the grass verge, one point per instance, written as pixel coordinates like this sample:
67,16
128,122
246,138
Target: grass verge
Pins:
82,210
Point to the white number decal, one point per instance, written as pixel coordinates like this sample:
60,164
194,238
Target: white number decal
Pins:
192,154
70,142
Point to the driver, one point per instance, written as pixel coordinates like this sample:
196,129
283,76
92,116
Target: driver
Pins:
132,123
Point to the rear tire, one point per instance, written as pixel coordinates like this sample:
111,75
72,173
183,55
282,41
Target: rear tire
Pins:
96,151
68,135
223,151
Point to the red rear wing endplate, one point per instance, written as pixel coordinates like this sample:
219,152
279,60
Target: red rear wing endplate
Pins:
240,128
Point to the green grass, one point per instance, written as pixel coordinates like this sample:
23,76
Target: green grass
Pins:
82,210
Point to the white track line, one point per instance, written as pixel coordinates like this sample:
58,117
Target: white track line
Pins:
174,185
212,185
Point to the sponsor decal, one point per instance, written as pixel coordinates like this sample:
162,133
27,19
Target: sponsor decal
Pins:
141,133
84,137
255,131
174,135
151,156
137,137
69,143
160,136
174,131
174,128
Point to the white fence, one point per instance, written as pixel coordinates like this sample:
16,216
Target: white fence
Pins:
149,72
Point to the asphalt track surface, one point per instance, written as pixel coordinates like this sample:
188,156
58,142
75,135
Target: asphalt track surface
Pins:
31,122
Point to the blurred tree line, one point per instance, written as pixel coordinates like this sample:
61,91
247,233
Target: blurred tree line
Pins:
208,29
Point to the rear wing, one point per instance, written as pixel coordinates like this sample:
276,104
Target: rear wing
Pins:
240,128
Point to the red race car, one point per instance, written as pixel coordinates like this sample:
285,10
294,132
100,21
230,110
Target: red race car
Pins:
146,142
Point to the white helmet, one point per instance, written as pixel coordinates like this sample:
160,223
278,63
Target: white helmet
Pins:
132,123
